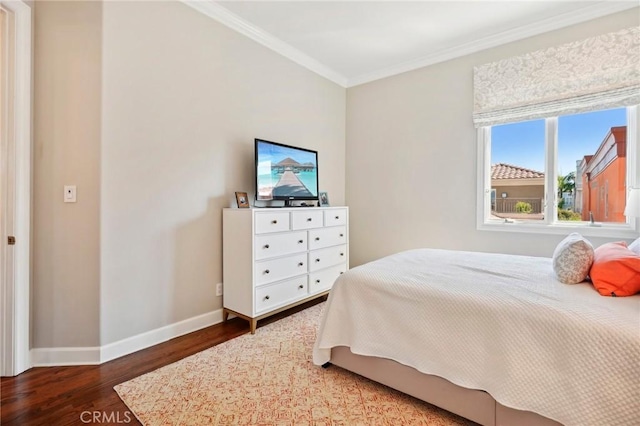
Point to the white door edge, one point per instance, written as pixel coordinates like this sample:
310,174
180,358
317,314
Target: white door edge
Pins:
16,281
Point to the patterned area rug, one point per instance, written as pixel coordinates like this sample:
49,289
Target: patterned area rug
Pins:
269,379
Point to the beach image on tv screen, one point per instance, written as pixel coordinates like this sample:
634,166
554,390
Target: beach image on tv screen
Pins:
286,172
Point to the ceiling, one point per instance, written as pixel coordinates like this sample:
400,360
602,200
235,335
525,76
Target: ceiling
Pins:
353,42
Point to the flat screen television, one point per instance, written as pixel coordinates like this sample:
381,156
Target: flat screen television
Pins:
285,172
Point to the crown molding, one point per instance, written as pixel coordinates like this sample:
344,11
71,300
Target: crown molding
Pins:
213,10
559,21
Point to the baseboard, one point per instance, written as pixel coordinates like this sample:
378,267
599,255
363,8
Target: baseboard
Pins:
144,340
49,357
57,357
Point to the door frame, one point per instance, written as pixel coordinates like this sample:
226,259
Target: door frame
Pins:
16,260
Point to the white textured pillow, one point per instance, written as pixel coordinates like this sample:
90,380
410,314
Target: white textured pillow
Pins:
635,246
572,259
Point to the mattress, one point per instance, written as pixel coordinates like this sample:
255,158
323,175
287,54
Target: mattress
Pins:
498,323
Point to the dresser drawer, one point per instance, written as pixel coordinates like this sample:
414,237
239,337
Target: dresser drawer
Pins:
272,222
323,279
325,237
275,295
335,217
273,245
306,219
267,271
319,259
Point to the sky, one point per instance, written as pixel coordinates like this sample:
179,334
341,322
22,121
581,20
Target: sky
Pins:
522,144
277,153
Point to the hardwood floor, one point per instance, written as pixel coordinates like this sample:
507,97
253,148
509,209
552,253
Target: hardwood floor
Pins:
55,396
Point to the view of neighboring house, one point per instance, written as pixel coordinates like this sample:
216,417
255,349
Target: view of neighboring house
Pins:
567,200
599,192
512,184
601,177
566,191
578,188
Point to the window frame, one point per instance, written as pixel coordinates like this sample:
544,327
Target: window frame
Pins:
550,225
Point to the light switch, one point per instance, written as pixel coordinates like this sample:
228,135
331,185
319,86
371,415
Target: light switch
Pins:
69,193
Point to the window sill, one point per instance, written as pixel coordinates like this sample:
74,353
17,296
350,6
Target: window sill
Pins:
588,230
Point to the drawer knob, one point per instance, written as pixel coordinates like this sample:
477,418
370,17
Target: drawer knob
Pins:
266,271
341,272
342,235
317,260
300,241
317,238
301,286
337,217
301,264
341,254
266,297
309,219
274,221
266,246
317,281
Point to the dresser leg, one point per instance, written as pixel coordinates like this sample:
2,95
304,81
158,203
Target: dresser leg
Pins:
253,323
225,315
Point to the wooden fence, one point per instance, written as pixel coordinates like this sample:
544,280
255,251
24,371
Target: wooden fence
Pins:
508,205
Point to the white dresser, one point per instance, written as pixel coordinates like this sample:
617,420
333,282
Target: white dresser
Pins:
274,259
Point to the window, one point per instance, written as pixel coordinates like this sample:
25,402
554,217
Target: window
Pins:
592,161
570,171
517,170
557,133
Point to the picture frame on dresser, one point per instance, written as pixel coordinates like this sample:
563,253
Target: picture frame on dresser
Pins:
323,198
242,199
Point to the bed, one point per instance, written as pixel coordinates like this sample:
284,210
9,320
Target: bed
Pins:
494,338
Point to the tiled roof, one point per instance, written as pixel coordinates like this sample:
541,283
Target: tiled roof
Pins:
508,171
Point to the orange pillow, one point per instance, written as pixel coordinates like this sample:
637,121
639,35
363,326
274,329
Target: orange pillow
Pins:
615,270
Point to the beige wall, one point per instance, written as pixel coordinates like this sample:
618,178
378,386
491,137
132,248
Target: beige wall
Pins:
66,239
151,108
183,98
411,156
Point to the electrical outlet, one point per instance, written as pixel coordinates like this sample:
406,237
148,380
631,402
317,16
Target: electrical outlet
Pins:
219,289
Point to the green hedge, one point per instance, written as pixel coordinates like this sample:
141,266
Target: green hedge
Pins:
522,207
568,215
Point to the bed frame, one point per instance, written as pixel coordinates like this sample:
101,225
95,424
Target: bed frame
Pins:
475,405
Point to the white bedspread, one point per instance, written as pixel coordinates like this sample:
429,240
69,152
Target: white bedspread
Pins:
499,323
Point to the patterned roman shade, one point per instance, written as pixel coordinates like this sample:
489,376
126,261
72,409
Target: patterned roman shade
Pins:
597,73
